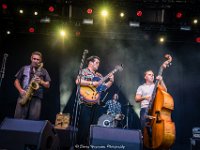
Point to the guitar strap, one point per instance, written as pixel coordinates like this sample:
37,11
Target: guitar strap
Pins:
26,74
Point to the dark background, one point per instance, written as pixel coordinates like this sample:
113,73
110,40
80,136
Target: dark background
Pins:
137,49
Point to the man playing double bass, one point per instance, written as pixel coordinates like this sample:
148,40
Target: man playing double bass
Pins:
156,107
144,93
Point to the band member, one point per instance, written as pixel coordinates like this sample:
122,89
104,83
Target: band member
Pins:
144,93
30,82
114,107
87,111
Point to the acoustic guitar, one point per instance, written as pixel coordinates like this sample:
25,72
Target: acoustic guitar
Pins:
91,94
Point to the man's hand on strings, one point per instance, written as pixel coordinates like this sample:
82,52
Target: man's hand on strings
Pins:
148,97
96,83
160,78
111,77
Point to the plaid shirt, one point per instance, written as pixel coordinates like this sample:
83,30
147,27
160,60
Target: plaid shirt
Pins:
114,107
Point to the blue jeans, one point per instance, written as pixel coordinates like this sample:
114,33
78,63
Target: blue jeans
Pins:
142,118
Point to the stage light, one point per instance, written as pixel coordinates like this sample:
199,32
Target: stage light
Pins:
35,13
62,33
21,11
31,29
195,21
87,21
134,24
121,14
104,13
161,39
185,28
89,11
4,6
45,20
139,13
179,15
198,39
8,32
51,9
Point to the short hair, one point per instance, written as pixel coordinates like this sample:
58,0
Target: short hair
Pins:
92,58
37,53
116,95
146,72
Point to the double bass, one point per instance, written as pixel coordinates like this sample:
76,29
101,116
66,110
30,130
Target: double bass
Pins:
159,130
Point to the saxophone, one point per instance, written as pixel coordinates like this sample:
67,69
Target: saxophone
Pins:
33,86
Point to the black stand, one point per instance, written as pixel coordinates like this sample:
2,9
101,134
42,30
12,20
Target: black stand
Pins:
75,114
127,112
3,66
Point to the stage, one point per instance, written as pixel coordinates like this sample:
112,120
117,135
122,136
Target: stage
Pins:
139,42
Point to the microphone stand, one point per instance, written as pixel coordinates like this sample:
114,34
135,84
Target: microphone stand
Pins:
3,66
127,112
75,115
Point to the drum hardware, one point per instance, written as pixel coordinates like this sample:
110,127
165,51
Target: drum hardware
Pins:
102,102
196,132
107,121
119,117
127,112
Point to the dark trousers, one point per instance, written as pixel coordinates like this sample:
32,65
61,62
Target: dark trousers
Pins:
142,118
88,116
31,110
143,121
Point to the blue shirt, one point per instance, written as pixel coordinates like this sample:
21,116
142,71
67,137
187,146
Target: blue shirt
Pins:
27,74
114,107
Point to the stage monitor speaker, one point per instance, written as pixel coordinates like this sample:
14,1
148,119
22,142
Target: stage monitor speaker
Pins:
27,134
115,138
65,136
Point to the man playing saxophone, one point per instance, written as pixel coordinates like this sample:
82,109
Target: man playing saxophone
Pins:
30,82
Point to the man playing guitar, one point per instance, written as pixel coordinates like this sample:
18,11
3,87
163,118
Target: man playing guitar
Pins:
88,108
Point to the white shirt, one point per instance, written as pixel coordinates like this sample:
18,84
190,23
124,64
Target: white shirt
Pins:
145,90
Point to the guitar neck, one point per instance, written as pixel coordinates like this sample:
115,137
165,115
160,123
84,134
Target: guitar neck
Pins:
155,89
107,76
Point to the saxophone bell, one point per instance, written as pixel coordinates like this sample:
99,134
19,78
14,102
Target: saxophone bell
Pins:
34,85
